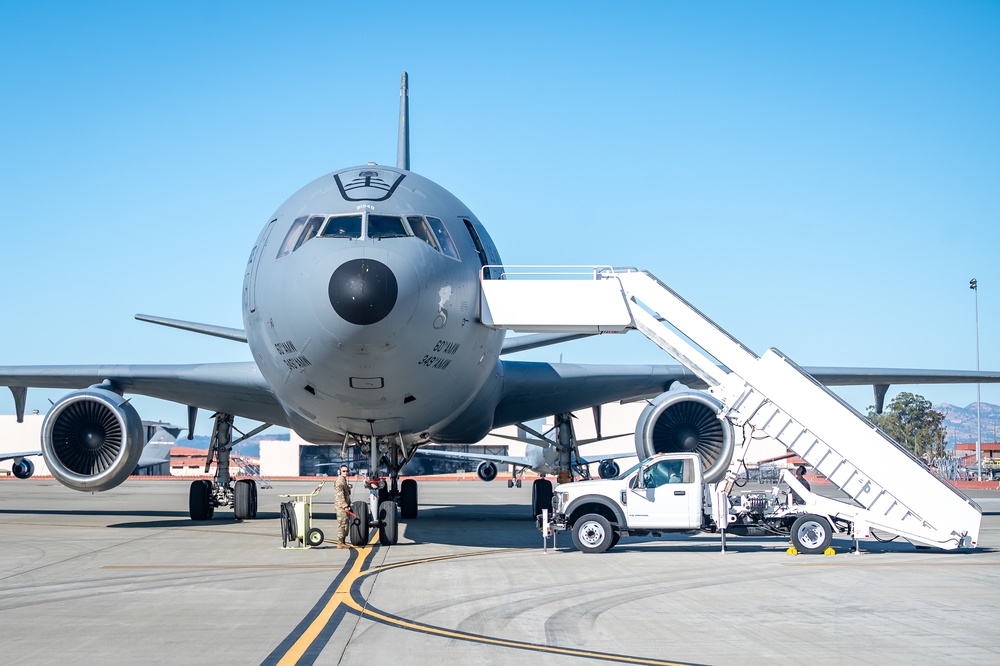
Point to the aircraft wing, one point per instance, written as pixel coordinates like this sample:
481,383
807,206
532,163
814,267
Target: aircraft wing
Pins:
536,390
509,460
15,456
233,388
612,456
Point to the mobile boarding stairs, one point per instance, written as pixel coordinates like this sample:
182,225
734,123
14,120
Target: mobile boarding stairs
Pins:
892,489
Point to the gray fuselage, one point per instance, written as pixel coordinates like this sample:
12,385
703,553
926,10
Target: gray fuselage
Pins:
361,309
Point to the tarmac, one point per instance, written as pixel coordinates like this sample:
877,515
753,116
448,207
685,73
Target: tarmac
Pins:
124,577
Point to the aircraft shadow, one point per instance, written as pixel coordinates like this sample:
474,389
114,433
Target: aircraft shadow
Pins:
221,520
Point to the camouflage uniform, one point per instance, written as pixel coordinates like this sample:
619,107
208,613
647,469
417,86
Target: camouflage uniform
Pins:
342,502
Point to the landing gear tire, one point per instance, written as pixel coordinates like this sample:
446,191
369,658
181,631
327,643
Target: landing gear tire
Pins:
200,505
243,499
359,524
518,483
408,499
811,534
541,496
253,499
510,483
592,533
388,527
287,524
314,537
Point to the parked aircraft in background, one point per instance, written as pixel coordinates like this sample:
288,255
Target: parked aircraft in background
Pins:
361,309
154,452
22,467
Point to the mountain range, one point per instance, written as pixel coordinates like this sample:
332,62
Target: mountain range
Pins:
961,422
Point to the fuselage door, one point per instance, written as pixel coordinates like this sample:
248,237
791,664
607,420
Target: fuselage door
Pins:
485,248
250,280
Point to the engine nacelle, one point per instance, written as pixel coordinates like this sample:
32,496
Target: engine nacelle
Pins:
685,421
608,469
487,470
92,440
23,468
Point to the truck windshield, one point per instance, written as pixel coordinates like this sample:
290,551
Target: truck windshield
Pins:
629,470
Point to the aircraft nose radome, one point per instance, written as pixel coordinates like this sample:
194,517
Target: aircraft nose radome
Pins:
363,291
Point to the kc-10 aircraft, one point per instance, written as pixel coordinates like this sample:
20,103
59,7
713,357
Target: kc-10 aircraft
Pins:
361,309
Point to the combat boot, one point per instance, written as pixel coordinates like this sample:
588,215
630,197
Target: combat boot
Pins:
341,544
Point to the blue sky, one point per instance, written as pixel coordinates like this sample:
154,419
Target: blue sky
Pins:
817,177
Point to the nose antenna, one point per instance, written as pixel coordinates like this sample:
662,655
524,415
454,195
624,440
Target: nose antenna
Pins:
403,146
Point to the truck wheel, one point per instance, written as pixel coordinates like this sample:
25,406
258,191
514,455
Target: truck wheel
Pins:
592,533
811,534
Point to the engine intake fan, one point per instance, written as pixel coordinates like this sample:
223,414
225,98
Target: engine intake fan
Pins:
686,421
92,440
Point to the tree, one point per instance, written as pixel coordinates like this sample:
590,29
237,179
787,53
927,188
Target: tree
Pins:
910,420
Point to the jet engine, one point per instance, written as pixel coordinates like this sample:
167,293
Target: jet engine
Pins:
92,439
487,471
23,468
682,421
608,469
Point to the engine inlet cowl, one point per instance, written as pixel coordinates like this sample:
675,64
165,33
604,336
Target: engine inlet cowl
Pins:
92,440
686,421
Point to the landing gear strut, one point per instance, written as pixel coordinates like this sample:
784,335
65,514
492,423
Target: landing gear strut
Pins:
204,495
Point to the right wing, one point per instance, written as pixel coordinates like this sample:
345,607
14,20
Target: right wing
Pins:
231,388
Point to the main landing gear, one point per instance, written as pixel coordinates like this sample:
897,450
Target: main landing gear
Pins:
389,501
206,495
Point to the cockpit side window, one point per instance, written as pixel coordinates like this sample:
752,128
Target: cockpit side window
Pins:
385,226
310,230
443,237
422,231
343,226
291,238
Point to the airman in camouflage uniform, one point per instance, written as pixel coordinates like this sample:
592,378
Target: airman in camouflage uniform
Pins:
342,502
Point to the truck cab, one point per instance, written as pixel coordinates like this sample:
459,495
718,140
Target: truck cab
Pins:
664,493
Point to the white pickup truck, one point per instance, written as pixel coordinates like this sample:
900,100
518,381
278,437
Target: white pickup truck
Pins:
667,493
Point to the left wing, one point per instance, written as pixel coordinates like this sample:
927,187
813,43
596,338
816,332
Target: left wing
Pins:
232,388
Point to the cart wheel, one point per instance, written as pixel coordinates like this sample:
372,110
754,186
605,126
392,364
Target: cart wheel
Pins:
359,524
314,537
388,526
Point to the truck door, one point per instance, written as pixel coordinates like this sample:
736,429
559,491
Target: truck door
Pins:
667,498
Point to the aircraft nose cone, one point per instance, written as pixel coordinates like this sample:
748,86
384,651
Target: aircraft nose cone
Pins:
363,291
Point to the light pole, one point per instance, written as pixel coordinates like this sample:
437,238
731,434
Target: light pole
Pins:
974,286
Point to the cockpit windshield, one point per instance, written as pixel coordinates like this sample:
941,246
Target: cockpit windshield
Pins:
385,226
343,226
431,230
